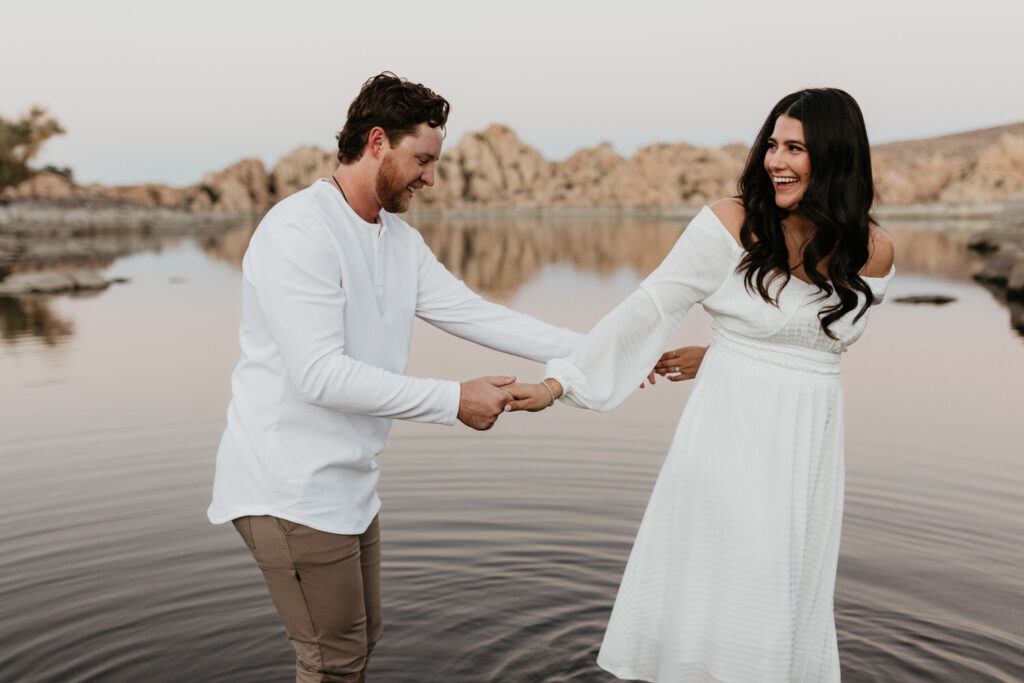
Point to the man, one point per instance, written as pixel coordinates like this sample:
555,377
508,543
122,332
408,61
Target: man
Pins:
332,281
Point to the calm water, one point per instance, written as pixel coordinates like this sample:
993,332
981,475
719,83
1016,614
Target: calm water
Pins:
502,550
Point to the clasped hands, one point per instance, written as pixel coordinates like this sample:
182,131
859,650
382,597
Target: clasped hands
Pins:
484,399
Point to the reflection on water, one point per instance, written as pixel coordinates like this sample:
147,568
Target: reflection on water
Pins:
501,254
494,256
942,253
502,550
230,246
31,317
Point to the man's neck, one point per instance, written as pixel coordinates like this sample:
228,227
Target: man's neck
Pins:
356,186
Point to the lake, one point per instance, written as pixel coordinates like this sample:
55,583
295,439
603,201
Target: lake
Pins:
502,550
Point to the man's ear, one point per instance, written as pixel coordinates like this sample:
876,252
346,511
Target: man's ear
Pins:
377,142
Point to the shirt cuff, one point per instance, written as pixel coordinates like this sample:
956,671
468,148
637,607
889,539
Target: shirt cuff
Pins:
453,395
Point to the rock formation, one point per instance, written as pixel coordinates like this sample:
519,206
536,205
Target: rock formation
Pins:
299,168
52,282
242,186
494,168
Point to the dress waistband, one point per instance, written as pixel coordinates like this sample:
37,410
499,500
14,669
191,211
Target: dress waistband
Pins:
786,356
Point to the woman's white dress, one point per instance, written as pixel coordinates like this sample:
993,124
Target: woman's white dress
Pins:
732,573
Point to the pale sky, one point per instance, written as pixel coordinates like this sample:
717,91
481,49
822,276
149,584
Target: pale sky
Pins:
168,91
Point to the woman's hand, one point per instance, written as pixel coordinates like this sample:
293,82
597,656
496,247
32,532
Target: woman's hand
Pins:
680,364
533,397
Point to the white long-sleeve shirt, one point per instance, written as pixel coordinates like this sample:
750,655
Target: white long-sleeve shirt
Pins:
328,302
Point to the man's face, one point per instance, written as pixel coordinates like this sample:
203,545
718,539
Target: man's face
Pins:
406,167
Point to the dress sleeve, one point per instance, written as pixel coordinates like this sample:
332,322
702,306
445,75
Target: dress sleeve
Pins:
624,345
879,285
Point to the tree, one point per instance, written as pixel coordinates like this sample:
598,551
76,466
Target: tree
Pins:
20,142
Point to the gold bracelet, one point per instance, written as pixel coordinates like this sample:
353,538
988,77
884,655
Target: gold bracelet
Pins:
546,386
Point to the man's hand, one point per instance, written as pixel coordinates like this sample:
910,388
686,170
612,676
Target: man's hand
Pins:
680,364
482,400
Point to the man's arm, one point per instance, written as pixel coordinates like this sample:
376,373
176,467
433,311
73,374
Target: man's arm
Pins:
296,274
447,303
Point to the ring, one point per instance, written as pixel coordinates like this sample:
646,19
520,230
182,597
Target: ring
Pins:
677,368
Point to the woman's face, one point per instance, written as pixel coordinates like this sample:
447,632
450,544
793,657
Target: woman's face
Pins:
788,163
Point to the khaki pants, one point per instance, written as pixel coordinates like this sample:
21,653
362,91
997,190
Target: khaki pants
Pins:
326,588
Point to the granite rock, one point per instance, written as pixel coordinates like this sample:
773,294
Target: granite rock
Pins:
299,168
242,186
51,282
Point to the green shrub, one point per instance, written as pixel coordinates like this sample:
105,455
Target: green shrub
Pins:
20,142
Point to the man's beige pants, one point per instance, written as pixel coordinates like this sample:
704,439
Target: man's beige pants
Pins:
326,588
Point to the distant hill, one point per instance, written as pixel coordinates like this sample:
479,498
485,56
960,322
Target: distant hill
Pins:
494,168
957,145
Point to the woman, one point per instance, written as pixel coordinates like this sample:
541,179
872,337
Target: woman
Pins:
732,573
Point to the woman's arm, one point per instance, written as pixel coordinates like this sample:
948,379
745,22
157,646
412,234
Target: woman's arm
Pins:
680,364
628,342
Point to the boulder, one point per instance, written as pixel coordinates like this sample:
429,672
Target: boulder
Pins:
987,241
936,299
51,282
299,168
82,280
1017,316
46,282
242,186
1015,281
43,187
998,266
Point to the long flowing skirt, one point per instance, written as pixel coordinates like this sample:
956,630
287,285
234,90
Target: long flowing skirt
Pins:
732,573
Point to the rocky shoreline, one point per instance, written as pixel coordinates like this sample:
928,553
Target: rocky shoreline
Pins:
1002,250
50,235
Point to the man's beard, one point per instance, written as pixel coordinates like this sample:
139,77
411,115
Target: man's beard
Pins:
390,192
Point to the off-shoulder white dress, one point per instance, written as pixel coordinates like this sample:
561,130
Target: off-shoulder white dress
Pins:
732,572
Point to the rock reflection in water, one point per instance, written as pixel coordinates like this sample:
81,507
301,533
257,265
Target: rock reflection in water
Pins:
229,246
503,255
500,255
944,253
924,251
22,317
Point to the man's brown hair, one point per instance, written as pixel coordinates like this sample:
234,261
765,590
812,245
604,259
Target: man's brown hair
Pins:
394,104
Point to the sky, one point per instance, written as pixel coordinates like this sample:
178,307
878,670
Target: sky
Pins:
166,92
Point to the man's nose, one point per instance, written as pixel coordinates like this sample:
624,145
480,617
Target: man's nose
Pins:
428,175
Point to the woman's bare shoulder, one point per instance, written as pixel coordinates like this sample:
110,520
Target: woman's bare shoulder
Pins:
881,253
731,213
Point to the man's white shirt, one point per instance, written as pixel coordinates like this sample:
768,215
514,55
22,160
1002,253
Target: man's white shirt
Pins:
328,302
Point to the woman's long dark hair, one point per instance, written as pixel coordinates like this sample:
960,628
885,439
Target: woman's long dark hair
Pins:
837,201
